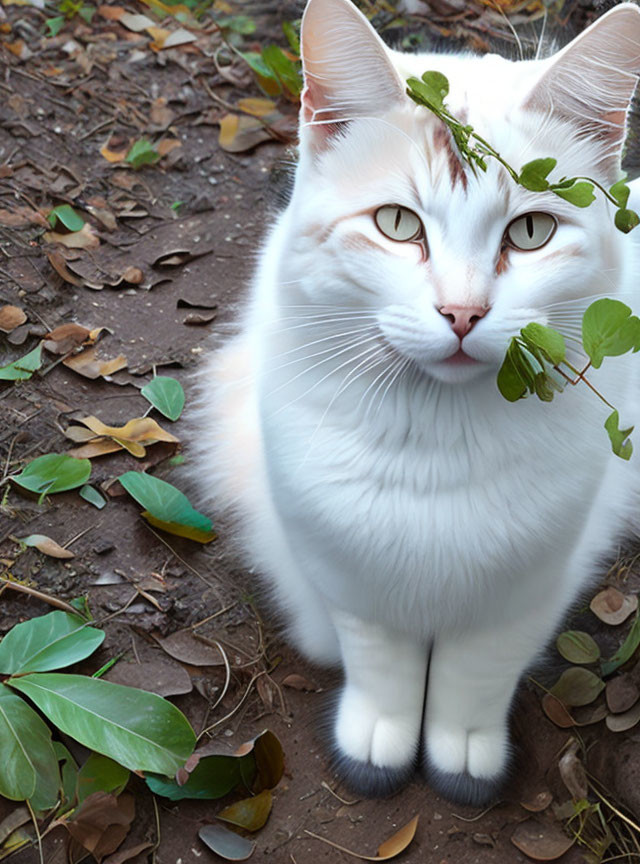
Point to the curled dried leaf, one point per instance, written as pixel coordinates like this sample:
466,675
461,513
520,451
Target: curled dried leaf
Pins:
612,606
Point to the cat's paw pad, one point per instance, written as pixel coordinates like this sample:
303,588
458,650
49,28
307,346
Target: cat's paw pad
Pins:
375,751
467,766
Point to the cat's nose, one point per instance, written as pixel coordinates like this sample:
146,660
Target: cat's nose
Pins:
462,318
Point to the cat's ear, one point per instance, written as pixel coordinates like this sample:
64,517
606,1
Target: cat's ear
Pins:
592,80
347,68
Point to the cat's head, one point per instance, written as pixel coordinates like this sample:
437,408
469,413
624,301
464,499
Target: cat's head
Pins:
387,219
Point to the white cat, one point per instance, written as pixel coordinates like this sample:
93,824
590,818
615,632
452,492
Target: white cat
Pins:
412,523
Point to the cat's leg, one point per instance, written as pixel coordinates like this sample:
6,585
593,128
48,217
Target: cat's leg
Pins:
472,679
379,714
311,627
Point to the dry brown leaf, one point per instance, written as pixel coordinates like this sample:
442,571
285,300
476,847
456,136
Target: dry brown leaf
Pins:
241,132
169,38
60,266
612,606
112,155
86,363
135,23
133,275
111,13
45,545
299,682
541,842
537,800
556,711
197,319
396,844
22,216
84,239
573,773
139,429
123,855
164,677
96,447
624,721
102,822
167,145
257,107
67,337
622,693
183,646
160,114
79,435
11,317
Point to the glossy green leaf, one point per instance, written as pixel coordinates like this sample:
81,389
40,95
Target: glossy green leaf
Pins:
510,381
91,494
620,191
69,772
67,216
213,777
578,647
533,175
431,90
141,153
626,220
54,472
48,642
577,686
100,774
580,194
138,729
165,504
24,367
227,844
27,752
618,437
285,70
165,394
608,330
626,650
545,339
249,813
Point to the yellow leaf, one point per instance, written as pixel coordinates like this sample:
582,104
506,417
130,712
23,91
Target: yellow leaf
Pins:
138,429
256,106
180,530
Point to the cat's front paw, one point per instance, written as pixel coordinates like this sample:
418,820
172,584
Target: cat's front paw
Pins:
467,766
375,750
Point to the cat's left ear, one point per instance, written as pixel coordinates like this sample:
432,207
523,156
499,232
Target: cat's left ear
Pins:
347,68
592,80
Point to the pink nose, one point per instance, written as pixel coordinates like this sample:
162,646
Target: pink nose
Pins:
462,318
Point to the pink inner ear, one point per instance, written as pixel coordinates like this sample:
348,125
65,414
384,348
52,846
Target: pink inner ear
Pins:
311,100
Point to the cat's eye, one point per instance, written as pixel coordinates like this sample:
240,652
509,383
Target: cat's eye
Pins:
398,223
531,231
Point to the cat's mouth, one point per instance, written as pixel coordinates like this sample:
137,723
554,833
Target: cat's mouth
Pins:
460,358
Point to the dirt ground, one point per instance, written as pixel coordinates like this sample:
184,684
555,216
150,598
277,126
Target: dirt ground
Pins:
100,85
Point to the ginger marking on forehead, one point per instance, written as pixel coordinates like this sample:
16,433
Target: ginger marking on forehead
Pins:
442,141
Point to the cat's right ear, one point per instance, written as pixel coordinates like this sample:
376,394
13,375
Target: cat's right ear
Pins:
347,68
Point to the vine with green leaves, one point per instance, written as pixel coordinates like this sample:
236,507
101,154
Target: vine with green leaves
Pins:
535,362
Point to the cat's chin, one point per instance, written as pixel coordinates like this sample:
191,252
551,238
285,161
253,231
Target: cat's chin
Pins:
457,369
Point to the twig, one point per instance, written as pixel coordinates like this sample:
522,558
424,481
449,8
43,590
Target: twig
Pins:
40,595
37,830
158,835
81,534
479,816
215,615
326,786
181,560
237,707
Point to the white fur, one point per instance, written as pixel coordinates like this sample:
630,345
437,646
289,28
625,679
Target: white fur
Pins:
397,504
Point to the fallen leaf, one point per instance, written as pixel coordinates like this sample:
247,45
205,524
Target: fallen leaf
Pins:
163,38
556,711
621,693
66,337
585,715
257,107
135,23
165,678
167,508
46,545
102,822
577,686
197,319
133,275
165,146
622,722
626,651
23,368
85,239
612,606
108,152
577,647
182,645
396,844
20,217
140,429
573,773
241,132
250,813
537,800
92,496
86,363
111,13
96,447
541,842
123,855
11,317
60,266
227,844
299,682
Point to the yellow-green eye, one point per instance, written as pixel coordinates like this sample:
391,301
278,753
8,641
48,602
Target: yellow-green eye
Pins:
531,231
398,223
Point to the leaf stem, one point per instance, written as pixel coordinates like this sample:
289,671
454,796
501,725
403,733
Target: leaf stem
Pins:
580,377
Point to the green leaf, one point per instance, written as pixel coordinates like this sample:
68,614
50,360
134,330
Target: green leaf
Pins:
48,642
285,70
543,390
255,61
618,437
431,90
165,394
250,813
580,194
67,216
69,773
242,24
165,504
626,220
55,25
100,774
24,367
546,340
510,382
578,647
140,730
27,752
54,472
292,31
226,844
142,152
213,777
91,494
620,191
533,175
608,330
626,651
87,12
577,686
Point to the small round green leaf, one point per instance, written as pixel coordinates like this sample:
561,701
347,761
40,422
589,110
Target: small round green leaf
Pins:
609,330
48,642
577,686
140,730
165,394
533,175
54,472
142,152
578,647
626,220
580,194
620,191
